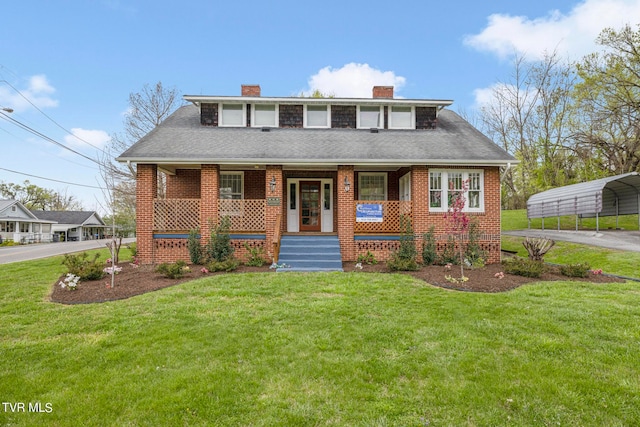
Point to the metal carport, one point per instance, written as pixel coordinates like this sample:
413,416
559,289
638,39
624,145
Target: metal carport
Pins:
614,195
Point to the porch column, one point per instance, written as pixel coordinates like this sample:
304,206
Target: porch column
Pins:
273,209
146,192
209,194
346,212
420,199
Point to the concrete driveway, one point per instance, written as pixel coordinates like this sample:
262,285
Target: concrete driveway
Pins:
624,240
10,254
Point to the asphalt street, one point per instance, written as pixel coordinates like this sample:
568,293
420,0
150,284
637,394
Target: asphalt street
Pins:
623,240
9,254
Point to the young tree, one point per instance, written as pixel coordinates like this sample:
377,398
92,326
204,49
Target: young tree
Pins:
458,219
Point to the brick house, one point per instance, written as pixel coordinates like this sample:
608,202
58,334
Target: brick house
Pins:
291,166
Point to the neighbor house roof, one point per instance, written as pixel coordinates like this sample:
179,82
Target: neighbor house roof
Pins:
182,139
614,195
68,217
27,216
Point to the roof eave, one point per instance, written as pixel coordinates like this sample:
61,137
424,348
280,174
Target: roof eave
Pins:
200,99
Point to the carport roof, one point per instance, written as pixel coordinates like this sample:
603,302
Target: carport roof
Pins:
614,195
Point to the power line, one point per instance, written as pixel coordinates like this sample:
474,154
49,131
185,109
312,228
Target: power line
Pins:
43,136
48,117
51,179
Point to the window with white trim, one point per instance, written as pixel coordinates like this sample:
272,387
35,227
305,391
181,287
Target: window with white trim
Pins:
264,115
369,117
372,186
317,116
232,115
443,184
231,185
401,117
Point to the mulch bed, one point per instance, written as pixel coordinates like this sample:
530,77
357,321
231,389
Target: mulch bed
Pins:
133,281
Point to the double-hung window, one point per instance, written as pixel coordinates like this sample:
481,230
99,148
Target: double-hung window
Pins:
369,117
444,184
264,115
232,115
317,116
372,186
401,117
231,185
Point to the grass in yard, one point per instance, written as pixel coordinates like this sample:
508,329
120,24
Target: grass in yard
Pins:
517,220
321,349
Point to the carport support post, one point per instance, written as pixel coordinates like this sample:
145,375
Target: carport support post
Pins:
597,223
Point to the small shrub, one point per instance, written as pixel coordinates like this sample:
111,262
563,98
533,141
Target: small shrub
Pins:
369,258
474,256
133,248
449,255
523,267
429,252
173,270
86,269
256,256
575,270
537,247
219,247
407,249
193,245
227,265
397,263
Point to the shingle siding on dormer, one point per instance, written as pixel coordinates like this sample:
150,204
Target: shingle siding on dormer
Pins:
290,116
343,116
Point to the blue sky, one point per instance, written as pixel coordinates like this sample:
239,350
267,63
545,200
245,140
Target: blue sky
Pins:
78,60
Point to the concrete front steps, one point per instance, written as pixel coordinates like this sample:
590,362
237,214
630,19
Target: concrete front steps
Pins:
302,252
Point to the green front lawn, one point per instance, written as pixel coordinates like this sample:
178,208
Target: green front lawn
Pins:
336,349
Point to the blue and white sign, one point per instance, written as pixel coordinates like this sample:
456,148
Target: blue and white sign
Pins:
368,212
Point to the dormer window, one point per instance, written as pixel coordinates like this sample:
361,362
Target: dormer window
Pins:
264,115
401,117
233,115
317,116
369,117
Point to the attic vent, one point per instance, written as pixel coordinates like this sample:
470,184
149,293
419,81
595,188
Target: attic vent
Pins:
266,129
373,130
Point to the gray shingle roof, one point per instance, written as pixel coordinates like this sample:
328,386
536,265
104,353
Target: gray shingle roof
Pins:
66,217
182,139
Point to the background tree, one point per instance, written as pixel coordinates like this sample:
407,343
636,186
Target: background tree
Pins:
608,98
529,117
147,109
39,198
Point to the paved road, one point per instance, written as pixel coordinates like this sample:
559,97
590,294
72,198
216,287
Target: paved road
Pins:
10,254
624,240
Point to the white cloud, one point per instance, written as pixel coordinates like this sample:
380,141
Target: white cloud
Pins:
38,91
97,138
571,34
352,81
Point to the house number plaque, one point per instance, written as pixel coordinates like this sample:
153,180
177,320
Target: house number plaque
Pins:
273,201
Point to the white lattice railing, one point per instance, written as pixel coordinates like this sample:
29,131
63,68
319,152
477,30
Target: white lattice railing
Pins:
176,214
245,215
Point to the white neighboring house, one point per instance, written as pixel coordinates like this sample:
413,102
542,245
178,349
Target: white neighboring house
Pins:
74,225
19,224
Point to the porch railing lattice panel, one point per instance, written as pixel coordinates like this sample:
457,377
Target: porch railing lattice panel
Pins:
245,215
391,212
176,214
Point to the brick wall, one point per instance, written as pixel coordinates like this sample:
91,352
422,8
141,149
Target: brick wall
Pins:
272,212
185,184
209,192
254,187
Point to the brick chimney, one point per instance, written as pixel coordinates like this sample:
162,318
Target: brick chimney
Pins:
250,90
383,92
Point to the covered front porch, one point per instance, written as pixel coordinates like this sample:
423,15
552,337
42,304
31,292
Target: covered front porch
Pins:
263,203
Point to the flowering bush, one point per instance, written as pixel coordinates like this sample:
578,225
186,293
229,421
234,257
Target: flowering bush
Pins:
597,272
112,270
70,282
204,270
499,275
452,279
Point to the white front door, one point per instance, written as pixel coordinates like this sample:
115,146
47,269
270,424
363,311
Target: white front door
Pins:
299,202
